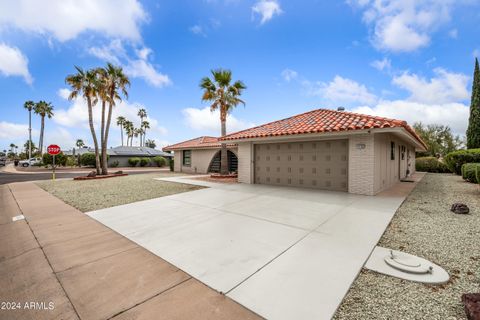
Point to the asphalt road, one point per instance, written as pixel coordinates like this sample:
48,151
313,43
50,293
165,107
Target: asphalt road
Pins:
7,177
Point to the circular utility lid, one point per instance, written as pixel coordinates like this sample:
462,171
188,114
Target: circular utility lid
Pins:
407,263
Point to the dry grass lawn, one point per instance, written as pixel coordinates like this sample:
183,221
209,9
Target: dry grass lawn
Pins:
104,193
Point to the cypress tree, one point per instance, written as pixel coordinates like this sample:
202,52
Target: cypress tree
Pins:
473,131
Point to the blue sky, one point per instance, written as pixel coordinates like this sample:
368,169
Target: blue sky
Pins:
411,60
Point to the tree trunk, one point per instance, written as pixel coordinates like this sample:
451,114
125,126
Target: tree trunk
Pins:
223,155
105,143
29,133
102,139
94,136
42,127
121,134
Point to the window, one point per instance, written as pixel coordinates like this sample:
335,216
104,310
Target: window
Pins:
392,150
187,157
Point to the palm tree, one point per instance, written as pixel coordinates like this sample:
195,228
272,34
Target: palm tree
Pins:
150,143
79,143
85,83
44,109
115,83
12,147
137,132
142,113
224,97
121,123
144,126
29,105
128,126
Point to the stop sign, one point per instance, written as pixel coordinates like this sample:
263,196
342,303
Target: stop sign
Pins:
53,149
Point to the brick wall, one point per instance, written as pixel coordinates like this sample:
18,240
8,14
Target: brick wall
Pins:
245,162
361,164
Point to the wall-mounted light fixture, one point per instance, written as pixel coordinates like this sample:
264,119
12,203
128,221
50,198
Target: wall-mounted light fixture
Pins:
361,146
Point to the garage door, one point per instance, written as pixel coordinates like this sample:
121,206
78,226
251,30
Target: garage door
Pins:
313,164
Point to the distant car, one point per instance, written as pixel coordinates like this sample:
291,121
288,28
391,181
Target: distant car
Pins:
30,162
3,161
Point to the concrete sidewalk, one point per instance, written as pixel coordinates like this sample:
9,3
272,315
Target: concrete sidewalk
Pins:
59,255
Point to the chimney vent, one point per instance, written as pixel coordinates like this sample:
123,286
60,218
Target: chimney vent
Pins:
341,109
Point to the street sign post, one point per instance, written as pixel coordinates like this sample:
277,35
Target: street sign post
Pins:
53,150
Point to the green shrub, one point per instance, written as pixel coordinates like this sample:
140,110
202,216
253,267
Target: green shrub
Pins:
159,161
430,164
144,161
477,174
455,160
88,159
114,164
171,164
470,172
60,159
71,162
133,161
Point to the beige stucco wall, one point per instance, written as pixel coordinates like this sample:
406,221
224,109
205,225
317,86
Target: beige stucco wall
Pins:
387,171
245,162
361,164
200,160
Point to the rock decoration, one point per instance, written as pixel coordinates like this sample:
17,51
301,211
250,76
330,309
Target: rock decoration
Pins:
460,208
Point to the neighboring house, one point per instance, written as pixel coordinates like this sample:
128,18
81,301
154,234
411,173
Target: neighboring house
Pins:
201,155
123,153
324,149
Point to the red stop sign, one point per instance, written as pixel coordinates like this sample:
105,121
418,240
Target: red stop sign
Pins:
53,149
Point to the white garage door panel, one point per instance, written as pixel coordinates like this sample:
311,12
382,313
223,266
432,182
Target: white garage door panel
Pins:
315,164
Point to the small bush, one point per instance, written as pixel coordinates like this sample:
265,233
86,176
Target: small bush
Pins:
455,160
470,172
159,161
144,161
114,164
171,164
430,164
71,162
133,161
60,159
88,159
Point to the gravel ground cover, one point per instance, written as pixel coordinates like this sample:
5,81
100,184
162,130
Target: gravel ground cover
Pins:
424,226
104,193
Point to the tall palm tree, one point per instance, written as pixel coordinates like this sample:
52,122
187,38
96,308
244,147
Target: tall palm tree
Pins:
85,83
224,96
128,126
12,147
44,109
79,143
29,105
144,126
121,123
142,113
137,132
115,85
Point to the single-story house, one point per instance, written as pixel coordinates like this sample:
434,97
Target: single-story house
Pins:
123,153
324,149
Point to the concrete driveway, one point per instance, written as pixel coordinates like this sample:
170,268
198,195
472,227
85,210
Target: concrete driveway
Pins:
285,253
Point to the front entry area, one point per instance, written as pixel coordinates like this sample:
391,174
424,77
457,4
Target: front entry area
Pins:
310,164
215,163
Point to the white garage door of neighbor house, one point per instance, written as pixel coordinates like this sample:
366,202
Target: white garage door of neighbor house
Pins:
312,164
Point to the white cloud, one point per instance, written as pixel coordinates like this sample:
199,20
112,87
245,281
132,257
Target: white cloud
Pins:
64,93
14,63
399,25
138,67
455,115
445,87
453,33
340,91
198,30
15,131
205,120
381,65
267,9
76,116
289,75
66,19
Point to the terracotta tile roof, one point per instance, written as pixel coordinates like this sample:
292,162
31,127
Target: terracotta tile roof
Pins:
197,143
321,120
